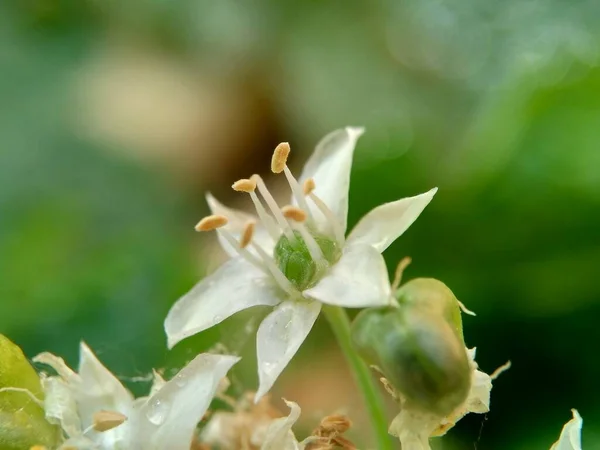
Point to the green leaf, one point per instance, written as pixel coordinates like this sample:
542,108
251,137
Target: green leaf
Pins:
22,420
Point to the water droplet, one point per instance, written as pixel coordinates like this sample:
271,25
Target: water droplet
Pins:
158,411
217,318
180,380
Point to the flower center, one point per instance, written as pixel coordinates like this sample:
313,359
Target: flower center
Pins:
295,261
300,255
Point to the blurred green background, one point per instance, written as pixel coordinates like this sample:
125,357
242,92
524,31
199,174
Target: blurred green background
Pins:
117,116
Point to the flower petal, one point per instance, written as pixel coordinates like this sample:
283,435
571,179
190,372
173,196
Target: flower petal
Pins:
384,224
412,428
279,336
359,279
235,286
279,434
330,166
168,419
237,221
99,388
570,437
60,405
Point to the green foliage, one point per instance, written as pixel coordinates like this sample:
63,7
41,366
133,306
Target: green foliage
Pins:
22,421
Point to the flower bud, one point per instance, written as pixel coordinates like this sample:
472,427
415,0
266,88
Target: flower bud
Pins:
434,297
418,346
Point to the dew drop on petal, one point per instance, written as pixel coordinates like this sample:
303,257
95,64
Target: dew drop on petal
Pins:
180,380
158,411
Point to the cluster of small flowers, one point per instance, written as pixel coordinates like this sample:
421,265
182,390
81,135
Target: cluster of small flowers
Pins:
298,260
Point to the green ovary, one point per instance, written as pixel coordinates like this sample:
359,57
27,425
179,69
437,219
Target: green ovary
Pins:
296,263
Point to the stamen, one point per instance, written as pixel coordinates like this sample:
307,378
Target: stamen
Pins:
264,217
296,189
262,188
500,370
464,309
294,213
331,219
402,265
242,251
299,216
107,420
247,234
38,447
244,185
280,278
211,223
309,186
280,156
313,248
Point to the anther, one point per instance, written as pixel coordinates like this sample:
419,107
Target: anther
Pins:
247,234
107,420
211,223
280,156
294,213
309,186
244,185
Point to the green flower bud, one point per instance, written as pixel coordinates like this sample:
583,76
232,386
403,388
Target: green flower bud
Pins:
295,261
434,297
418,346
22,420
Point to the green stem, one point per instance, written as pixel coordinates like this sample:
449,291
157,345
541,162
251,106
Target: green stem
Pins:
340,324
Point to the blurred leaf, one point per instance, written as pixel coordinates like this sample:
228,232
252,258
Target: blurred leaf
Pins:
22,421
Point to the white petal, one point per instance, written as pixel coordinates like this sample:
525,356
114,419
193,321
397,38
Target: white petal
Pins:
413,429
570,438
330,166
359,279
169,418
237,221
279,336
59,365
79,443
234,286
99,388
384,224
60,405
279,435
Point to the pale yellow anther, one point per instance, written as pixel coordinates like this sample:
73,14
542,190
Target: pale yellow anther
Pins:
294,213
245,185
38,447
309,186
211,223
280,156
107,420
247,234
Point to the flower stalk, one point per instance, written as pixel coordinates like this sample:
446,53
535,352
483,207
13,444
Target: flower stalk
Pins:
340,325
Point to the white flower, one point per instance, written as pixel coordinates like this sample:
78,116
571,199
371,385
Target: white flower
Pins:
570,438
96,411
414,428
264,269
